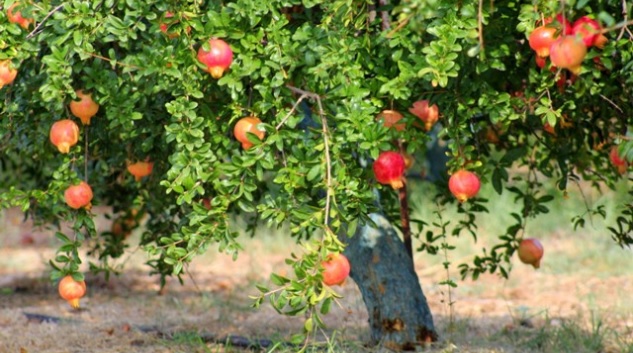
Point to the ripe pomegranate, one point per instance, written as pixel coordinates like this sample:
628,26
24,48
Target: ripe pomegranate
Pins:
587,29
568,53
140,169
7,73
244,125
563,25
78,196
71,290
16,17
391,118
389,169
541,61
541,39
64,134
428,114
618,162
464,184
531,252
336,269
218,58
85,108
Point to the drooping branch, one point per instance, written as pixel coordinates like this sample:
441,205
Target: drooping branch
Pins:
39,25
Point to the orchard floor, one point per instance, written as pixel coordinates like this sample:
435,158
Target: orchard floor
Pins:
127,314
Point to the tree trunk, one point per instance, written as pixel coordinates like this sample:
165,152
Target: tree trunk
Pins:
399,316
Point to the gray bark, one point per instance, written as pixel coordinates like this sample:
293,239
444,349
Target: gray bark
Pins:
399,315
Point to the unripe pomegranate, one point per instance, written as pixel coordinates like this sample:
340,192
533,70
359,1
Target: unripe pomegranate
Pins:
16,16
78,196
389,169
618,162
568,53
244,125
85,108
428,114
391,118
64,134
587,29
541,39
7,73
218,58
336,268
464,185
140,169
71,290
531,252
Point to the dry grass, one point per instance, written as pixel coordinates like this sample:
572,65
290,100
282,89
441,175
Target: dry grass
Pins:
579,301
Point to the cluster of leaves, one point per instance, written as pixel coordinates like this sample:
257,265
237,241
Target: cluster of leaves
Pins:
346,62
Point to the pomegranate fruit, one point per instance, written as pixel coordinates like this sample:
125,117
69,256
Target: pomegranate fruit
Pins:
600,41
541,61
428,114
140,169
78,196
464,185
390,119
531,252
389,169
71,290
7,73
618,162
336,268
541,39
245,125
218,58
64,134
85,108
568,53
16,16
587,29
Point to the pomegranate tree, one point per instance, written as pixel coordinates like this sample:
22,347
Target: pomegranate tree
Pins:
64,134
218,57
336,269
389,169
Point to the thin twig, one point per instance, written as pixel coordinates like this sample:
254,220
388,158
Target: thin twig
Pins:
612,103
404,212
625,13
33,32
326,142
480,25
294,108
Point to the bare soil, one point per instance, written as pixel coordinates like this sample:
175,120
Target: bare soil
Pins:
128,314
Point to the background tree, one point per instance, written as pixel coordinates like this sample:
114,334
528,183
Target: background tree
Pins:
316,74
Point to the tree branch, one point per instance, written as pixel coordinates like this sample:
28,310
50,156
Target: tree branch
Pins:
34,31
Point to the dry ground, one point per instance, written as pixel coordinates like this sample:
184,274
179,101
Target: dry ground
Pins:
127,314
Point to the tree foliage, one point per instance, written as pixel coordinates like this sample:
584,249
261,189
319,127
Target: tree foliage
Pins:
316,73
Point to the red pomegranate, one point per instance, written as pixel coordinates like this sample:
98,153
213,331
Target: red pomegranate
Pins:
218,58
7,73
391,118
568,53
389,169
16,16
618,162
464,185
84,108
78,196
541,39
531,252
336,268
64,134
541,61
587,29
244,125
428,114
140,169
